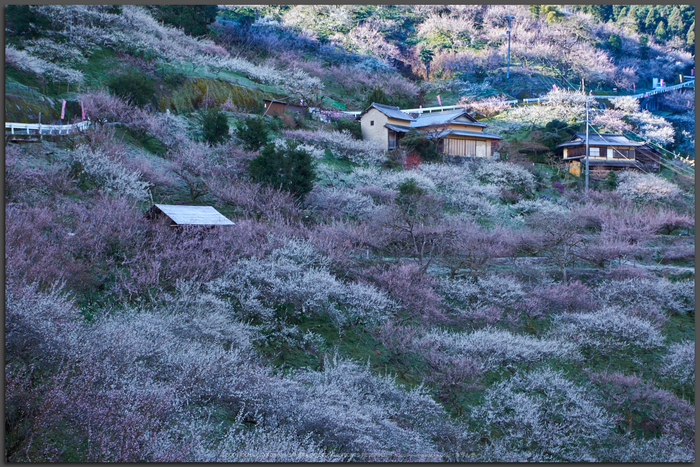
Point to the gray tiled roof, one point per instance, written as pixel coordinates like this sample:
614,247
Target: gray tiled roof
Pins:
193,215
599,140
388,110
442,118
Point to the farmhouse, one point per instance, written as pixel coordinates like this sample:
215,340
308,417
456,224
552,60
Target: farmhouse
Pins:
384,124
609,152
457,133
187,215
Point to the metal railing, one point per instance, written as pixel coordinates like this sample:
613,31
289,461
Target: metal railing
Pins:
41,129
642,95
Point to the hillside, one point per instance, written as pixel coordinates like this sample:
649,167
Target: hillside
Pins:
365,305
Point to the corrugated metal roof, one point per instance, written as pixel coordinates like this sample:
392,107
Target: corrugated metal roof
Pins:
478,134
193,215
599,140
442,118
399,128
388,110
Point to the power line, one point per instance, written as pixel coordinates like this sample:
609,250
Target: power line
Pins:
690,173
668,166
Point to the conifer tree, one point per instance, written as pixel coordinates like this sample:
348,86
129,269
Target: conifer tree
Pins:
253,132
660,32
286,167
214,126
377,97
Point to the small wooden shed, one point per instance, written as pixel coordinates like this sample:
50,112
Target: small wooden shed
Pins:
274,108
188,215
277,108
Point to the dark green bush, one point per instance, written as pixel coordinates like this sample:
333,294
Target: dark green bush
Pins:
610,182
287,168
193,19
352,126
214,126
21,20
134,87
253,132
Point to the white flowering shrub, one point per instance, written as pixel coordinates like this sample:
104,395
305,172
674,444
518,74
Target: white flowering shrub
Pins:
53,52
446,177
373,176
44,325
666,448
679,363
611,120
498,348
643,187
297,275
540,417
22,60
301,253
188,351
315,152
605,331
338,202
675,297
364,417
541,206
475,200
505,175
266,444
109,174
654,128
394,179
207,317
626,104
357,151
492,290
560,105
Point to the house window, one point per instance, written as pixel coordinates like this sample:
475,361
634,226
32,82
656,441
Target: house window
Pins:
594,152
371,123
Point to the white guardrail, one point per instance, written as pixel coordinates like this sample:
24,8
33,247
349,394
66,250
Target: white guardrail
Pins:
41,129
642,95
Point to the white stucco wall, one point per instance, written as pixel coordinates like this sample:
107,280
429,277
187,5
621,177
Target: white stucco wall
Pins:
375,132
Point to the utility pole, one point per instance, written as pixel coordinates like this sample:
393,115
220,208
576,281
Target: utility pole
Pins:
510,17
587,151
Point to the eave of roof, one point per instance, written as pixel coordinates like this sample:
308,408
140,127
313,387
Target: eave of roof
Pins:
399,128
193,215
389,111
609,162
478,134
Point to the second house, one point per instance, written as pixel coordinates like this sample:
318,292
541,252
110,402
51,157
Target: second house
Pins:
457,133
